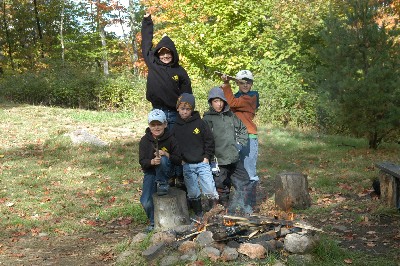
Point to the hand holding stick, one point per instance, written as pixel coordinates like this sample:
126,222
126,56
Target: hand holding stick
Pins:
226,78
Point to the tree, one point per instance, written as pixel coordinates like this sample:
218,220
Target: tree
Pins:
360,73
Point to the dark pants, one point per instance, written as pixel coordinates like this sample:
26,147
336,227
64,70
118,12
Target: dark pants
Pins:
234,174
161,173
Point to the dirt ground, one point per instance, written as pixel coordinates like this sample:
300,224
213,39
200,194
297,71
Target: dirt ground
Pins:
93,248
377,235
352,221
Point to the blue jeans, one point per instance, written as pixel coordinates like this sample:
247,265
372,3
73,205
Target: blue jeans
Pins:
198,175
160,173
248,155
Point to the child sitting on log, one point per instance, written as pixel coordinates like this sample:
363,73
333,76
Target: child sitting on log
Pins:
196,143
158,149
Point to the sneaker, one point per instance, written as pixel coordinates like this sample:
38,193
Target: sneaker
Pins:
150,228
162,188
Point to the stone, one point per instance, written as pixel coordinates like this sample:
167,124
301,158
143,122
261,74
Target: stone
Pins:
210,252
189,256
219,245
300,243
81,136
205,239
254,251
169,260
269,245
229,254
183,229
139,237
233,244
164,236
187,246
154,251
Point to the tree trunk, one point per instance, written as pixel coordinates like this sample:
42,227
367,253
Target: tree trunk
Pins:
292,191
8,38
133,51
61,33
104,49
39,29
102,33
170,210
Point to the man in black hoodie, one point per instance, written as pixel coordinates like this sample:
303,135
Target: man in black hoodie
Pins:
166,79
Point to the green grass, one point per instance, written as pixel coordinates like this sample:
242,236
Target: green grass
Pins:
54,185
48,184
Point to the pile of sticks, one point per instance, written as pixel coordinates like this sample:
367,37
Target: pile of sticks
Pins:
227,227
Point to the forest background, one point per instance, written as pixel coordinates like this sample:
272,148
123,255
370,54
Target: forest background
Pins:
332,66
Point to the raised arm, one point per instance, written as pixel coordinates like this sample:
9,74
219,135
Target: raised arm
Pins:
147,36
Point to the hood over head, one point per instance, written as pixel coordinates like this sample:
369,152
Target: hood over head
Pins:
166,42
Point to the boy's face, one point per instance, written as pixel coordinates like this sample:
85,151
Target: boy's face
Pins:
157,128
244,86
165,56
217,104
185,111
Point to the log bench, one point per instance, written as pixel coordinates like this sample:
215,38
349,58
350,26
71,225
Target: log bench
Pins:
389,179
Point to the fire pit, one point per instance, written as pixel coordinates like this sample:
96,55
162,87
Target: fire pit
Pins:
241,229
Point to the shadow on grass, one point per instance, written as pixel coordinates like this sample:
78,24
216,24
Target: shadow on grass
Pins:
59,186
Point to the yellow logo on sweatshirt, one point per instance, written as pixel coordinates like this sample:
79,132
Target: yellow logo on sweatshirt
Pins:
196,131
176,78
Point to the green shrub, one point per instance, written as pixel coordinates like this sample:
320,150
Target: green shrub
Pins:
123,92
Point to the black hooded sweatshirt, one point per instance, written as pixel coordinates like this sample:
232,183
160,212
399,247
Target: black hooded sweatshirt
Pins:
166,142
165,82
195,138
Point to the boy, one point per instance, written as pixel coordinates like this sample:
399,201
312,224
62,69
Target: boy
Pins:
166,79
229,136
157,150
197,147
244,104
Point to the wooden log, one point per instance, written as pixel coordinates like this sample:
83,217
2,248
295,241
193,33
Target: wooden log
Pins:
170,210
389,180
292,191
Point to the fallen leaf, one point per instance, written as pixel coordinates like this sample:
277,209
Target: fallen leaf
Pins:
125,221
10,204
112,199
348,261
345,186
18,255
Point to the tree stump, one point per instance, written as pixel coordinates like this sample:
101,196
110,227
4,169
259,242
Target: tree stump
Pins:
389,179
170,210
291,191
